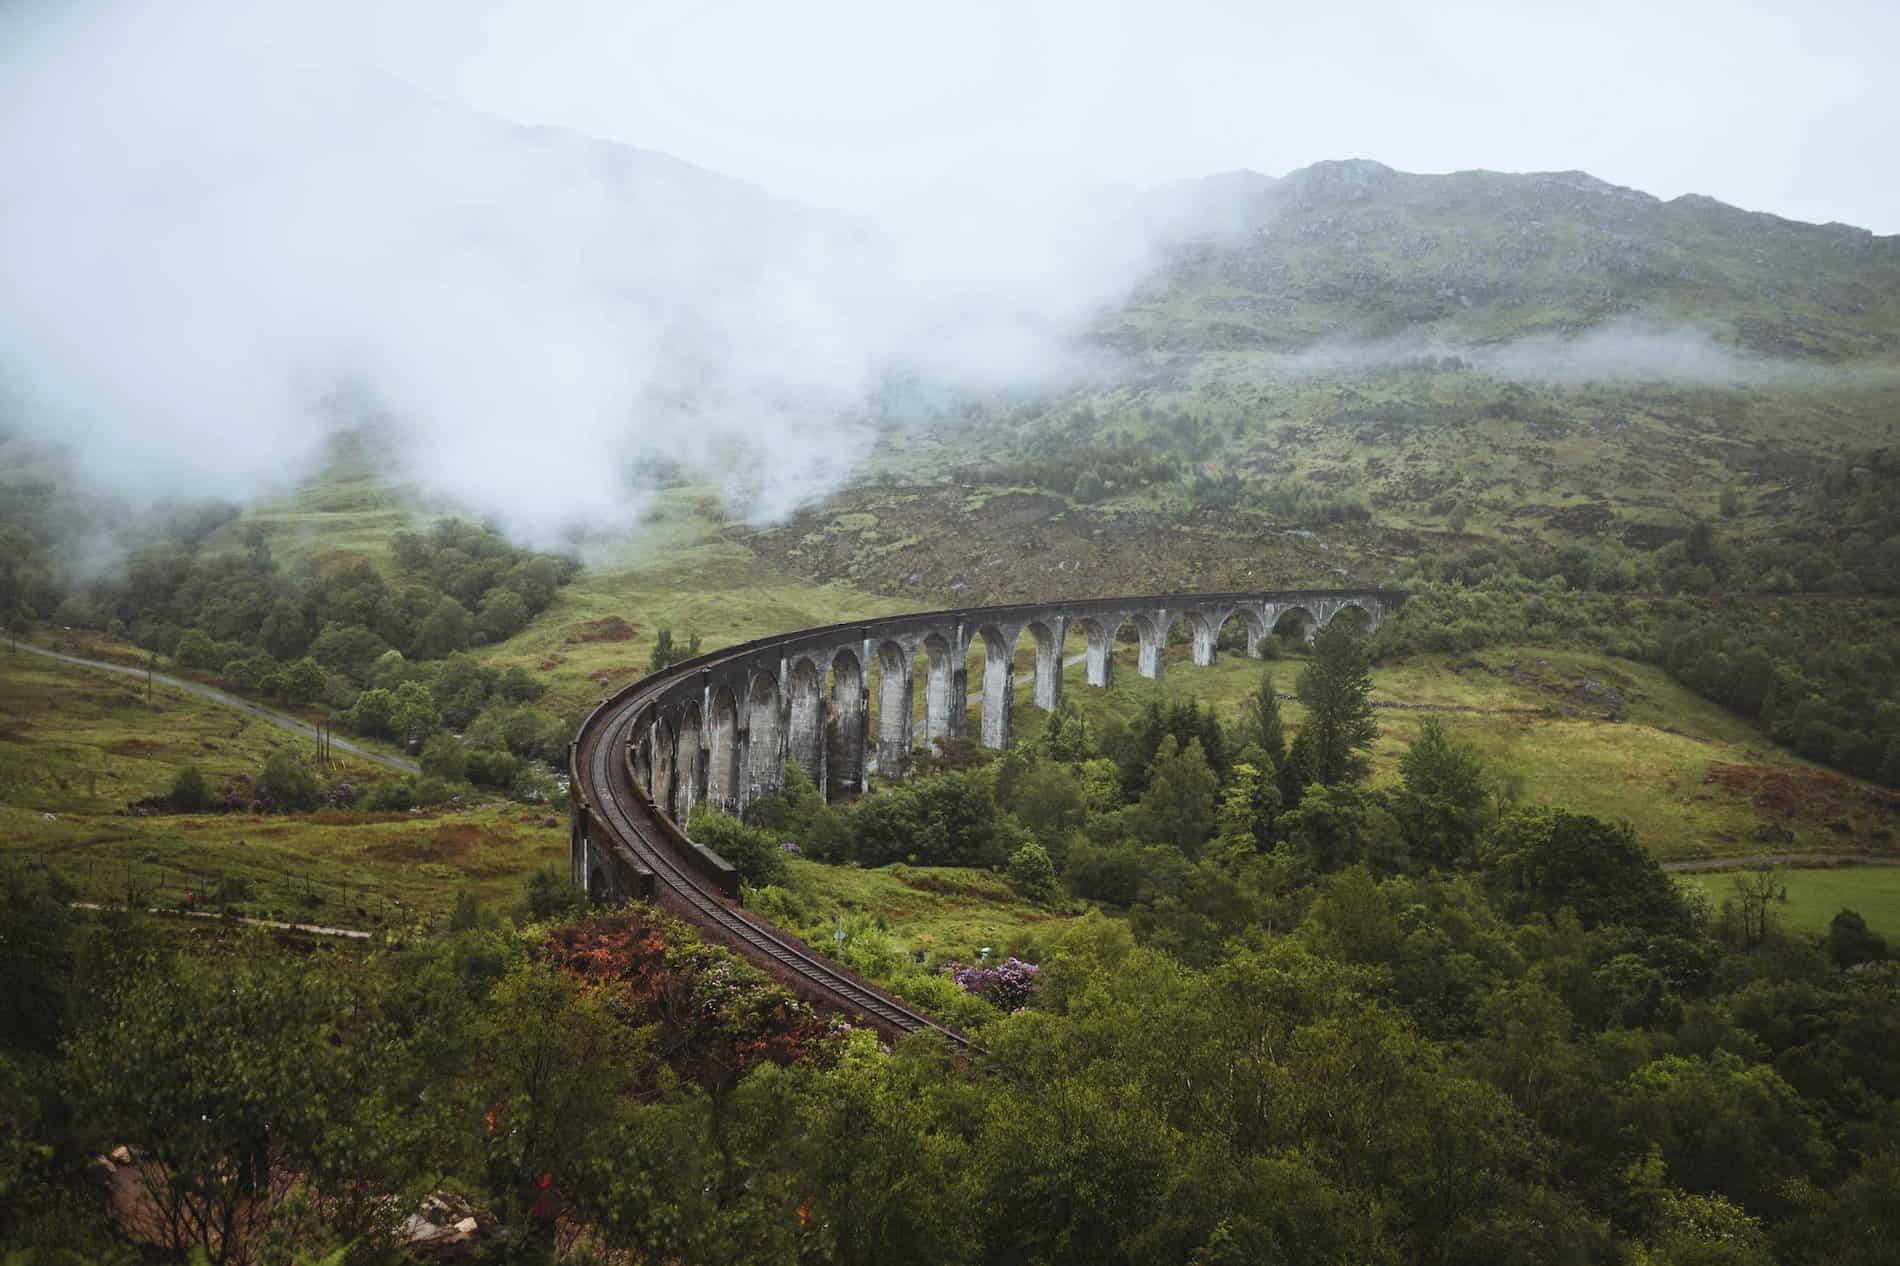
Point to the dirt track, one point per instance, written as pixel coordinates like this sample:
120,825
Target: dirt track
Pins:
230,701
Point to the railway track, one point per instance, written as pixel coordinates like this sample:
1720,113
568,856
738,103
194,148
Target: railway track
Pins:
606,787
617,824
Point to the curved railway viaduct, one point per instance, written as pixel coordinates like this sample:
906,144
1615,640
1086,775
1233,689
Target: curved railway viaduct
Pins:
721,727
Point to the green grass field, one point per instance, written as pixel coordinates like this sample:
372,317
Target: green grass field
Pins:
686,575
75,739
1816,896
78,747
347,869
1696,781
942,911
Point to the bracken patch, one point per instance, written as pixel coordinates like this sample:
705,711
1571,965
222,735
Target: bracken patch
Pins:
1781,789
607,629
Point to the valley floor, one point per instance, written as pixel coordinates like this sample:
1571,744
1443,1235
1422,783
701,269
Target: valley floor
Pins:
1586,732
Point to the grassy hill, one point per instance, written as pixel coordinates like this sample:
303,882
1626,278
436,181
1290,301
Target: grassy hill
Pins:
1330,373
78,748
1354,250
1589,733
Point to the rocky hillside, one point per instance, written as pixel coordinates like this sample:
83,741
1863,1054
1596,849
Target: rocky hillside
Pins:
1355,250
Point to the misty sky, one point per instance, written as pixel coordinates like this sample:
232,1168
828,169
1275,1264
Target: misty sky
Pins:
1779,106
231,228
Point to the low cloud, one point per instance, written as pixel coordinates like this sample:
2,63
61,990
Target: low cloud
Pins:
216,257
1626,350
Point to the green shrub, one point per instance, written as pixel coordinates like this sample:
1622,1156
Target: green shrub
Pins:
288,785
753,851
190,793
1032,873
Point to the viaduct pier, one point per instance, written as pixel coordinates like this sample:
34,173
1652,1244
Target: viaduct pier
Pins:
720,729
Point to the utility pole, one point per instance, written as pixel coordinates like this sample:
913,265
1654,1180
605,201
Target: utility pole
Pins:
151,661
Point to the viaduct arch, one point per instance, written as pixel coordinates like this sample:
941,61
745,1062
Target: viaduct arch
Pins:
720,728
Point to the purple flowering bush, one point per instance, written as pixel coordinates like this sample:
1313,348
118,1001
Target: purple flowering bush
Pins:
1006,985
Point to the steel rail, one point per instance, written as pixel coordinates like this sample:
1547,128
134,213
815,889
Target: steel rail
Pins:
609,792
604,787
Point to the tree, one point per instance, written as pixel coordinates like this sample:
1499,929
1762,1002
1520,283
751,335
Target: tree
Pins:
285,632
1260,720
504,613
196,650
1443,802
1237,827
353,596
412,712
535,579
1266,798
1850,942
391,669
466,914
287,785
445,630
755,853
1755,891
348,649
491,768
1339,826
1335,690
554,1062
1545,860
302,681
189,793
36,967
1179,806
1031,872
1856,1224
1299,772
373,712
1724,1127
1068,736
1352,920
239,1086
461,689
549,896
444,756
874,1123
1047,799
517,686
1699,546
667,652
943,820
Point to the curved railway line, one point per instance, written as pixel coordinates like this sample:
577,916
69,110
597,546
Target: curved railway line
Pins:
606,797
611,796
629,784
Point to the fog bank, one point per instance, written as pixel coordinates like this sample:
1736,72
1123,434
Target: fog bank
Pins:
217,254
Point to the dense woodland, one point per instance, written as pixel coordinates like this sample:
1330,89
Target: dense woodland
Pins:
1314,1021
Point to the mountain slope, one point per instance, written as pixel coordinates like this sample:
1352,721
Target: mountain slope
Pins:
1355,250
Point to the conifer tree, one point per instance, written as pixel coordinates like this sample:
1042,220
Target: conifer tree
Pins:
1260,720
1335,690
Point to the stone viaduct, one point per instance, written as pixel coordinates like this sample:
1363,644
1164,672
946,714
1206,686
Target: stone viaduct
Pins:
725,729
